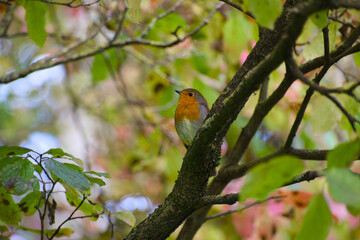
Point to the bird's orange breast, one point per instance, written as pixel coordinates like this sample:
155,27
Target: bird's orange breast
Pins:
187,109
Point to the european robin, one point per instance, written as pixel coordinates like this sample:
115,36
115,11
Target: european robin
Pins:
190,113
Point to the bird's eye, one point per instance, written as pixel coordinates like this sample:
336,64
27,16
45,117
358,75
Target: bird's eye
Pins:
190,94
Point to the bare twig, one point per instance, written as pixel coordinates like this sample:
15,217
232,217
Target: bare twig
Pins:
306,176
86,216
60,59
151,25
292,64
325,31
342,22
119,29
43,194
112,226
325,91
70,3
352,120
233,172
241,209
68,219
76,45
238,7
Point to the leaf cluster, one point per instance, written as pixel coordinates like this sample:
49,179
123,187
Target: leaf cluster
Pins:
33,176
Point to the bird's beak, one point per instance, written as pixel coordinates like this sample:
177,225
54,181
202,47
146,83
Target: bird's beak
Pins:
179,92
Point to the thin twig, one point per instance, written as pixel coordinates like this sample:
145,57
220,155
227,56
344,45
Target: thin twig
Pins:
241,209
352,120
59,59
292,64
326,91
306,176
69,218
70,3
342,22
119,29
43,194
112,226
151,25
238,7
325,31
233,172
76,45
86,216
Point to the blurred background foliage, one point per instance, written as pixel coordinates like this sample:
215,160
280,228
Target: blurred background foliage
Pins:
115,110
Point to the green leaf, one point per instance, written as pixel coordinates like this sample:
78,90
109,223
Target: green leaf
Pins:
16,177
3,229
208,92
266,11
74,198
99,69
343,154
326,115
353,211
344,187
134,10
165,26
99,174
96,180
38,169
269,176
75,167
9,211
68,174
317,220
315,48
59,153
320,19
357,58
238,32
126,217
29,203
167,97
8,160
34,183
199,62
35,20
6,151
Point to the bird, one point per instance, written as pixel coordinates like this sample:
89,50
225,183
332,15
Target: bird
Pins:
190,113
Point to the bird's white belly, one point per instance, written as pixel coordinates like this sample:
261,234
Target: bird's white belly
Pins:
186,131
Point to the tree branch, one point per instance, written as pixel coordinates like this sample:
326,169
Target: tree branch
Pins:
306,176
290,62
262,48
352,120
218,199
61,58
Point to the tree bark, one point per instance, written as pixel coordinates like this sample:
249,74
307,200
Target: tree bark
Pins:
202,156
